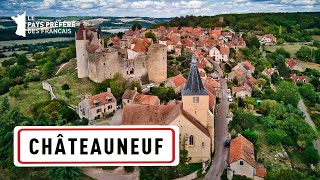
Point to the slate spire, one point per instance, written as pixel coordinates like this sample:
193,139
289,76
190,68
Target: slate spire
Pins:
194,84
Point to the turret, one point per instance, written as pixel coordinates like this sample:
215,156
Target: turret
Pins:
157,63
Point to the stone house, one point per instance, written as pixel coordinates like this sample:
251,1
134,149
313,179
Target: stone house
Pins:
241,72
242,161
177,83
270,72
242,91
220,53
97,106
268,39
133,97
299,79
192,116
293,65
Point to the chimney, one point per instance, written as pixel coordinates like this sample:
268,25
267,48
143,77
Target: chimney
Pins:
135,88
109,90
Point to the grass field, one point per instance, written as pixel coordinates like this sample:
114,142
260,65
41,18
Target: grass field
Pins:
291,48
316,37
78,87
29,96
309,65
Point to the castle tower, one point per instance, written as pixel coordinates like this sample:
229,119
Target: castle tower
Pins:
195,98
157,63
103,64
82,54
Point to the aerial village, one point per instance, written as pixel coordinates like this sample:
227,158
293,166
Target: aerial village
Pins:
139,58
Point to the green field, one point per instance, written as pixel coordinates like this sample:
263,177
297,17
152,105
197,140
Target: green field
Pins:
309,65
33,41
78,87
29,96
316,37
291,48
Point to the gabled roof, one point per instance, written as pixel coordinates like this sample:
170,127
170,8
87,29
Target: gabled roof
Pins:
101,99
129,94
261,171
178,80
194,84
146,99
242,148
158,115
247,65
239,72
141,45
291,62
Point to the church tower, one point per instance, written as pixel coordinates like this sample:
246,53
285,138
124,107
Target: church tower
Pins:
195,98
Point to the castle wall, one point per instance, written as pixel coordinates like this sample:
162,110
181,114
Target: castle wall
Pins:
157,63
103,65
82,58
135,68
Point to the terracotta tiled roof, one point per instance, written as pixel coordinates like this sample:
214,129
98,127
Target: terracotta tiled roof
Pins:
241,148
261,171
216,32
212,93
187,42
101,99
171,42
178,80
129,94
239,72
162,28
146,99
224,50
157,115
248,65
252,80
188,29
146,115
213,83
291,62
141,45
299,78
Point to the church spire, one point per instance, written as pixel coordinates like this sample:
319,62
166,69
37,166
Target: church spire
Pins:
194,84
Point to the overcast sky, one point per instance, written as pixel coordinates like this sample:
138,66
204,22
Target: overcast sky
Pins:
151,8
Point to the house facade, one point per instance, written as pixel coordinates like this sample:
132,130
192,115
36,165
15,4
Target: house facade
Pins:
97,106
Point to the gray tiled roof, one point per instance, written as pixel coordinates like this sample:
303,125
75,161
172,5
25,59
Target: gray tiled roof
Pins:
194,84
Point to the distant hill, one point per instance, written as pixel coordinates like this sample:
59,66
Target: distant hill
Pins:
292,27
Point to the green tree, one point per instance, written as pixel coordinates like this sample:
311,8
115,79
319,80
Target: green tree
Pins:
37,56
281,66
308,91
283,52
15,91
135,84
5,105
311,155
304,53
58,173
251,135
275,136
152,36
52,54
136,26
287,174
68,95
317,56
48,68
287,92
102,87
22,60
16,71
117,85
165,94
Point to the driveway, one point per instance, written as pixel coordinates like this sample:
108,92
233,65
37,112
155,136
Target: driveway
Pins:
303,108
219,162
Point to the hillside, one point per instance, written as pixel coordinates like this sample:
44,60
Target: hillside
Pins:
292,27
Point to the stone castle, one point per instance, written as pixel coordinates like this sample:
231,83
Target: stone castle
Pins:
134,57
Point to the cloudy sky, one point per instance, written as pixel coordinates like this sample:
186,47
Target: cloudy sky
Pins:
151,8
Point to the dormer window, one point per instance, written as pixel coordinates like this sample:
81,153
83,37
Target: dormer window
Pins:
195,99
96,102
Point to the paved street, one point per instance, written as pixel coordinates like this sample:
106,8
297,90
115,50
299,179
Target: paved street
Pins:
221,133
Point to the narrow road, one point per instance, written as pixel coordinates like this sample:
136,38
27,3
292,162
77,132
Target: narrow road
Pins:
220,133
303,108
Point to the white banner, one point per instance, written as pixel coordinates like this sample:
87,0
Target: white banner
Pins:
96,146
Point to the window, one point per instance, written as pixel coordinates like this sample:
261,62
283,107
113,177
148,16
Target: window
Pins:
128,101
191,141
241,162
195,99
